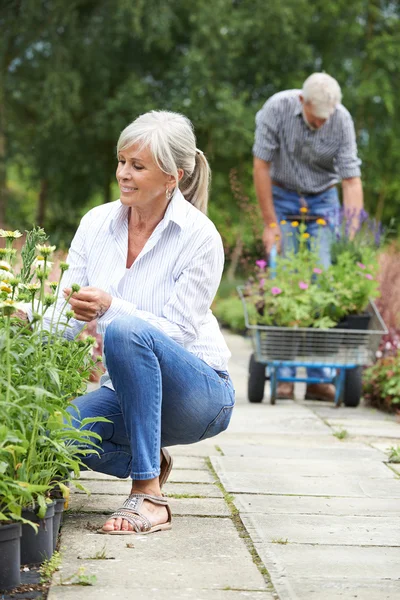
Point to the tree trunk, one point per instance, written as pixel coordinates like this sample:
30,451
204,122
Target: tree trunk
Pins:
236,255
42,202
3,171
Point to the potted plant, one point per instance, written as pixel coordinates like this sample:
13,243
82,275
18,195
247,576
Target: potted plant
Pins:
39,374
299,293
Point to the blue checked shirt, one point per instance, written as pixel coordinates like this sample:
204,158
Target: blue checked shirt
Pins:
301,159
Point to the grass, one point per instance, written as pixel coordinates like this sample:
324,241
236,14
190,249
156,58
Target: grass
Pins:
101,555
242,531
279,541
50,566
394,454
341,434
79,578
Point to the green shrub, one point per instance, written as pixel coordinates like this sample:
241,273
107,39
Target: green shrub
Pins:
229,312
381,384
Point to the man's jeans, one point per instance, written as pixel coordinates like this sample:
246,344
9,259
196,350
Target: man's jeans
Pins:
164,395
325,205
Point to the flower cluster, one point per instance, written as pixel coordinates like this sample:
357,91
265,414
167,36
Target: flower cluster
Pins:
299,292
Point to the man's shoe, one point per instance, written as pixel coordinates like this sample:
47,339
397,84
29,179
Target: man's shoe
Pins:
320,391
285,390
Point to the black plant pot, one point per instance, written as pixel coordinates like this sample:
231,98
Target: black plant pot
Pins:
37,547
58,510
359,322
10,576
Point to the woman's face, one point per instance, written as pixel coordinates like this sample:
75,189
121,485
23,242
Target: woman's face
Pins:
141,181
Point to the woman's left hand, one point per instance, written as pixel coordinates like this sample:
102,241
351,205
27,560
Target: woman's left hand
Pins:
89,303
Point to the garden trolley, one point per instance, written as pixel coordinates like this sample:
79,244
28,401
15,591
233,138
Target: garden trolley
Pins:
346,350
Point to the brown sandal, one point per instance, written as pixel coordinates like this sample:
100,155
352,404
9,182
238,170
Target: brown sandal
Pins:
165,466
130,511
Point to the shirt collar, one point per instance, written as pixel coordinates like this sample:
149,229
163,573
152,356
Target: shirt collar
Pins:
176,212
298,107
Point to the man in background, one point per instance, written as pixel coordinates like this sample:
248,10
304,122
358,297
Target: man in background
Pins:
305,144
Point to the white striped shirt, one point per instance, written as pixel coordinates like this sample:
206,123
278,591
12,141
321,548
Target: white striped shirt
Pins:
172,282
301,159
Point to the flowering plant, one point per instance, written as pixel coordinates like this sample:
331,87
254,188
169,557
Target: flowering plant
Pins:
39,372
299,292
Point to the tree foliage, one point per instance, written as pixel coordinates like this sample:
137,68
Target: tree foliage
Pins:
72,75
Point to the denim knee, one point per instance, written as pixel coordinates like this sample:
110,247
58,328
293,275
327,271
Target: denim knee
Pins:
123,329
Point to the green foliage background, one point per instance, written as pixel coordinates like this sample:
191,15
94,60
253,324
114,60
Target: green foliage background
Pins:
74,74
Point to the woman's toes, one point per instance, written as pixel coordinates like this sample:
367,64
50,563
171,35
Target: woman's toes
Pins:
126,526
109,525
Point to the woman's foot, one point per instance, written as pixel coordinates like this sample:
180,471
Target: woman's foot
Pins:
154,512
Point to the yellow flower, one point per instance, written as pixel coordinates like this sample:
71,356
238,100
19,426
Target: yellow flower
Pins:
305,236
295,223
273,225
321,222
283,222
5,266
5,288
304,209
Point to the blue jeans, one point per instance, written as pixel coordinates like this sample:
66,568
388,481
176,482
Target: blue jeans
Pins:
325,205
164,395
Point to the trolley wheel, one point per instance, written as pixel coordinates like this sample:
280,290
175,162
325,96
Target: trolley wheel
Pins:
256,380
352,388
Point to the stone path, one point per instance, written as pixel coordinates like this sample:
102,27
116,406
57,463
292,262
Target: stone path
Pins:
276,507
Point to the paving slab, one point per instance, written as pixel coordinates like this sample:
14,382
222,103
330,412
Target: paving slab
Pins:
305,467
293,419
164,560
180,462
325,529
301,572
258,483
328,453
395,467
380,429
330,411
288,439
215,507
200,449
309,505
152,593
205,490
97,484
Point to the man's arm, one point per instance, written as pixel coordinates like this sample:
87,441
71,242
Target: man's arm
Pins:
353,202
263,186
352,194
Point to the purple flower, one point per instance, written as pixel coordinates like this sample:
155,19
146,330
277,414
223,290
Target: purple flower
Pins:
368,276
261,263
303,285
318,271
361,265
275,291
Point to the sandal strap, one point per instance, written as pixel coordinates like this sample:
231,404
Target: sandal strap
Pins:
130,511
138,521
135,501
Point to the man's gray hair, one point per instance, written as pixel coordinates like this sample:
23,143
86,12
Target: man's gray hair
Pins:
323,92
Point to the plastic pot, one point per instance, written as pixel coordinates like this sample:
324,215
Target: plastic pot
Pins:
58,510
10,576
37,547
360,321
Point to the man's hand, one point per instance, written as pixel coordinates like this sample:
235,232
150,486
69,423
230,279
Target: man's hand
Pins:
353,203
89,303
271,237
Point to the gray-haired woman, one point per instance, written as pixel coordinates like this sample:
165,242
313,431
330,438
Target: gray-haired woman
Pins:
149,265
